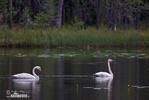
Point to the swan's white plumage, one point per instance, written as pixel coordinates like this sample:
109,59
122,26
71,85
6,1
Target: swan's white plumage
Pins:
24,76
28,76
105,75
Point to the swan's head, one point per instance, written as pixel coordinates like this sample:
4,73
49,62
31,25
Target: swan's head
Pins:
110,60
38,67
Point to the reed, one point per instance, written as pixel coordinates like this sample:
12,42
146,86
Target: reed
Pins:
69,36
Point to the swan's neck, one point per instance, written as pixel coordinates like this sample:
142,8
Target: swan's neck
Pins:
110,71
35,75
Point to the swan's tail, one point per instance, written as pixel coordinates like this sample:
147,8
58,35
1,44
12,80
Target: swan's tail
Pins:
94,75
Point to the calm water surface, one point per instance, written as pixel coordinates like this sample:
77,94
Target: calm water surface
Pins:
68,74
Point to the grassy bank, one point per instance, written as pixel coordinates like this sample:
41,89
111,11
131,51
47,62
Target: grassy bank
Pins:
71,37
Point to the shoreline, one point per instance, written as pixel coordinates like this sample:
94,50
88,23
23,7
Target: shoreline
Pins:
126,46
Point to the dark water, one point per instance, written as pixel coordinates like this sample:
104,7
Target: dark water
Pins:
68,74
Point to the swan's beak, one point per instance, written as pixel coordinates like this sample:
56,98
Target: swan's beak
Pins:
40,69
110,60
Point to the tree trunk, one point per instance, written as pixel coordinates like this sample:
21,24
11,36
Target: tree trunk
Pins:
97,13
77,10
10,13
114,21
138,14
137,25
146,22
72,12
19,12
109,15
59,17
114,17
4,15
63,16
85,13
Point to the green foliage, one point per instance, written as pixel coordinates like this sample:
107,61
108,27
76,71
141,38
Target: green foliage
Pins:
26,16
4,11
40,19
47,14
78,24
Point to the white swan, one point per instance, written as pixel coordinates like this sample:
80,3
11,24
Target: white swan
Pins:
105,75
28,76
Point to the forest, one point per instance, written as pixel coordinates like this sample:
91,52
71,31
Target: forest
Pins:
80,13
46,23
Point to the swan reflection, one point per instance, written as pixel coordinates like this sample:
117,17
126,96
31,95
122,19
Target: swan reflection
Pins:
32,88
105,83
105,87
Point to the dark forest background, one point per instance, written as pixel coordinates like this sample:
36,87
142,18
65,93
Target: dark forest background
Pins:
112,14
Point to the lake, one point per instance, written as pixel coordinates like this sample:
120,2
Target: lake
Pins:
68,74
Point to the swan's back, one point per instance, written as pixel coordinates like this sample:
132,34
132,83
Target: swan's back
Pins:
23,76
103,74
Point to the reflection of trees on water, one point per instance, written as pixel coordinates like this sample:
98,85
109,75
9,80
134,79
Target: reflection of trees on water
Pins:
60,84
130,72
142,79
10,72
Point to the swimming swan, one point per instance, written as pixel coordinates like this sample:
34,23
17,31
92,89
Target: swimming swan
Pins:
28,76
105,75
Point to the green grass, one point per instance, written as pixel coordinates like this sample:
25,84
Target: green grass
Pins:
72,37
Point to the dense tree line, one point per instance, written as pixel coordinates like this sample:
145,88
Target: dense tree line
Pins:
81,13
